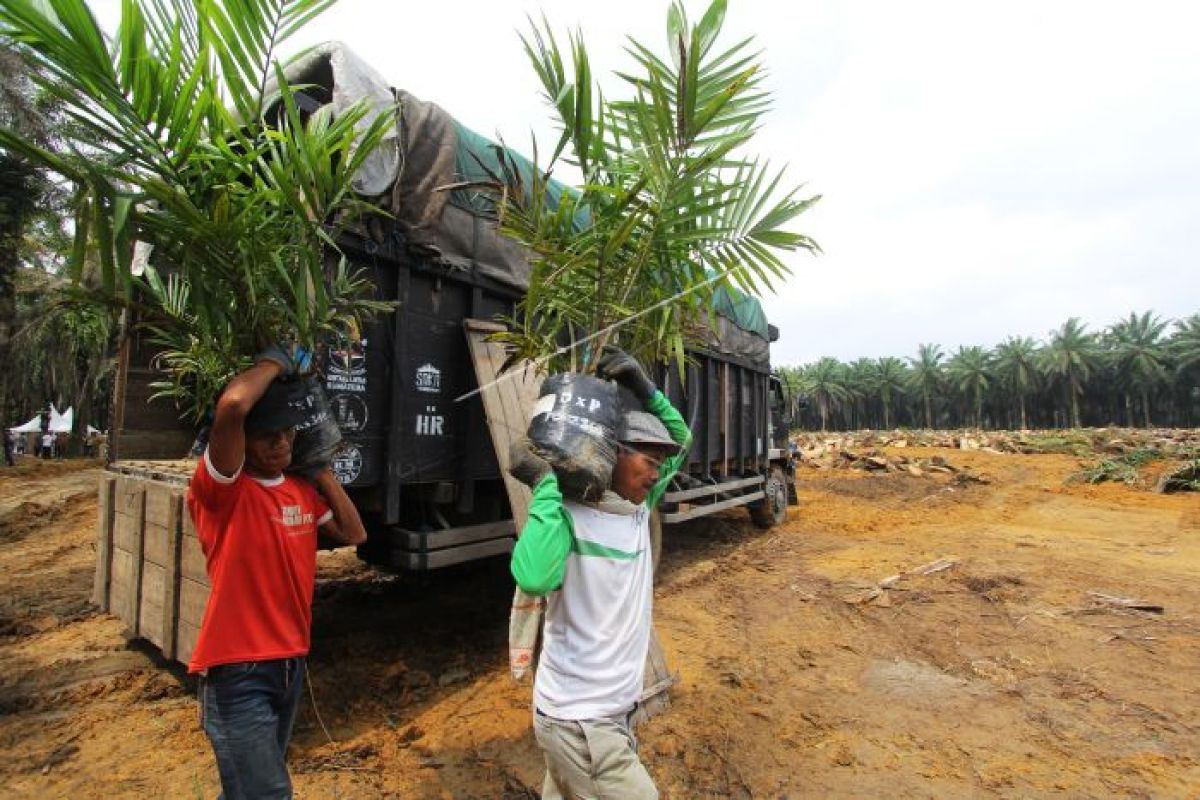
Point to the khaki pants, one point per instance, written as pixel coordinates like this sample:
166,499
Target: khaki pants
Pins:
591,759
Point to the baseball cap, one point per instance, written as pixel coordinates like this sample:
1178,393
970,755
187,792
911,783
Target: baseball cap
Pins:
641,427
281,407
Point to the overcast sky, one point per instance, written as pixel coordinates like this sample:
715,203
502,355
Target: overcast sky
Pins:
987,168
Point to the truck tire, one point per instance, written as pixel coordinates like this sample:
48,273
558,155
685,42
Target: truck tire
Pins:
772,509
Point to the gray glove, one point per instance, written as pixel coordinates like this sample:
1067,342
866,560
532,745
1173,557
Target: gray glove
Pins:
293,359
617,365
525,465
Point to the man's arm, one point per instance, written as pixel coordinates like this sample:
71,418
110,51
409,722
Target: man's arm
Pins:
346,527
227,440
661,407
540,557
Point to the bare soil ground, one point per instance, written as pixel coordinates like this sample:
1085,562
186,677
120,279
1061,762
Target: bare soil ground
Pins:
800,675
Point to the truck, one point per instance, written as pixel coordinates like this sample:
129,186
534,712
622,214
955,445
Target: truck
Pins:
423,406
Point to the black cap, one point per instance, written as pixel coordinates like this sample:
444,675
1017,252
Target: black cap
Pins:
281,407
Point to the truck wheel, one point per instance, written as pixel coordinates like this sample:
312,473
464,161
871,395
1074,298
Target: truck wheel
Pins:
772,509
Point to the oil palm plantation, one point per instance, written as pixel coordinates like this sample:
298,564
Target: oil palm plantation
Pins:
1070,358
926,377
969,373
889,381
1140,357
669,210
1015,363
178,146
825,384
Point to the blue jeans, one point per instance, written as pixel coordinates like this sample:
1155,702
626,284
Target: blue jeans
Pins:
247,710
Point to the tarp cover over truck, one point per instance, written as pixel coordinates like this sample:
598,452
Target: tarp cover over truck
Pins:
429,150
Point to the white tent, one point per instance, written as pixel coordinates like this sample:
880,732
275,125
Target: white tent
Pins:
59,423
33,426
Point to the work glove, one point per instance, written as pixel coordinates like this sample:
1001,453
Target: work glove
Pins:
525,465
617,365
293,359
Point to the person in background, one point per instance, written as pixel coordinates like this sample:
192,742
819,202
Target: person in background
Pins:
47,445
593,560
258,528
9,447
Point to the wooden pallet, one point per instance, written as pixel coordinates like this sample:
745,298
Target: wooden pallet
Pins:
150,569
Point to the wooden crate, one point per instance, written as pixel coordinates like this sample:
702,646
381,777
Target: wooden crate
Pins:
149,565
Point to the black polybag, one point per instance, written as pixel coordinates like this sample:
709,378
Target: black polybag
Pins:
318,436
574,427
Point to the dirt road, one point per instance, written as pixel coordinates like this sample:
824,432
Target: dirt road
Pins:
802,676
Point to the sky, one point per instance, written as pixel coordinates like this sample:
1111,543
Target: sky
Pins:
986,169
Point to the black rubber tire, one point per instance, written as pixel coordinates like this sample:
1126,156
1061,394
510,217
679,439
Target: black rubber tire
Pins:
772,510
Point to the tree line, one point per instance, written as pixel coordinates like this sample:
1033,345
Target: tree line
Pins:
1142,370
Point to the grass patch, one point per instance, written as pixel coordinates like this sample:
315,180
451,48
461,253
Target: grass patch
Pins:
1067,443
1119,469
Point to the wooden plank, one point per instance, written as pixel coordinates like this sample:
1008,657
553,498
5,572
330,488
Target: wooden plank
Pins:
155,540
130,494
191,559
137,551
104,542
149,607
185,641
193,596
158,504
119,582
656,682
506,405
170,598
124,533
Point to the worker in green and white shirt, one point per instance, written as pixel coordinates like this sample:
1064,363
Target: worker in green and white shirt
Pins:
593,560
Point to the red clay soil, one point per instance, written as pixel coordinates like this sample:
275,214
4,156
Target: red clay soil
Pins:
814,661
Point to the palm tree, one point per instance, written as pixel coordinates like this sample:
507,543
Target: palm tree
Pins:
1139,356
30,203
1071,357
1016,367
186,150
889,380
1185,343
669,211
925,376
825,384
969,372
860,378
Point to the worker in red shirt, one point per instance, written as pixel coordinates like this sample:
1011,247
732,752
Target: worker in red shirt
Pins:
258,528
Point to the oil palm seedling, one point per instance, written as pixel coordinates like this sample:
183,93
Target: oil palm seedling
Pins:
178,145
670,210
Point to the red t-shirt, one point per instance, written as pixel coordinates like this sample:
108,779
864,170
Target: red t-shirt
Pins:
260,543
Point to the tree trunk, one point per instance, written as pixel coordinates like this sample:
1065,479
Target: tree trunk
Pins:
1146,408
928,412
1024,423
1075,423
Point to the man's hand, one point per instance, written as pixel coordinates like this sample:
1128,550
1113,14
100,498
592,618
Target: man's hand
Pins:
527,466
615,364
346,527
293,360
